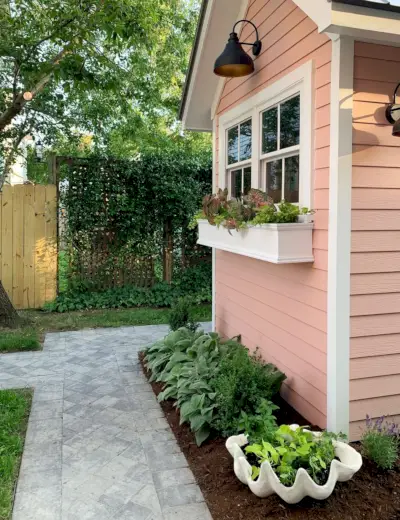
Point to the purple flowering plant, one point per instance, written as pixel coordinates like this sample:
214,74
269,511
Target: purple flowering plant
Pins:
380,442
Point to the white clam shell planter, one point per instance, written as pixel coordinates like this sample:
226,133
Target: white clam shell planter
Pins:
268,482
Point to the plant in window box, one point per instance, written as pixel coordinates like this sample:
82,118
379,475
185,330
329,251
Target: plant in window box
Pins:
306,215
294,464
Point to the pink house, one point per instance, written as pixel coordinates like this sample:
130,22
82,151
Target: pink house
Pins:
309,125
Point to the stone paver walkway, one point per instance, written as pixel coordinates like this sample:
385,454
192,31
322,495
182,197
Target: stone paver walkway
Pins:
98,446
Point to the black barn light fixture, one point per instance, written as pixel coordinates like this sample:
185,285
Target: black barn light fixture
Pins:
234,62
393,114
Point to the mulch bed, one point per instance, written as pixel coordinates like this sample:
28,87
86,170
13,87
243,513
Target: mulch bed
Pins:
371,494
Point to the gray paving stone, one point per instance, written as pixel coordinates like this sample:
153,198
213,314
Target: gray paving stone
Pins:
180,495
191,511
98,445
173,477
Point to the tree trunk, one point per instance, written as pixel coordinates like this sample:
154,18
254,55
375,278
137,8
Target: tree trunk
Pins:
168,250
8,315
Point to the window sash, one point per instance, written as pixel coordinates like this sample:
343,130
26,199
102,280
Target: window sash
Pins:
229,175
279,157
238,126
278,133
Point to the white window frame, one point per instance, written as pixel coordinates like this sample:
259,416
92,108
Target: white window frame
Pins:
300,81
240,165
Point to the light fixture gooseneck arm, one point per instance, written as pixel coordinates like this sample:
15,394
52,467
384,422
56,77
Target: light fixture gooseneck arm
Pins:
257,45
255,28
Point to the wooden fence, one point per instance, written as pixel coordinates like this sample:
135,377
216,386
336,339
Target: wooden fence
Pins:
28,244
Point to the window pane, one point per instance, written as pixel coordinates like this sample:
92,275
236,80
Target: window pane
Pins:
236,184
270,130
292,179
247,181
245,141
290,122
233,145
274,180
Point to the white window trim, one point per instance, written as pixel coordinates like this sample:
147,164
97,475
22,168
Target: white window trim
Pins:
299,81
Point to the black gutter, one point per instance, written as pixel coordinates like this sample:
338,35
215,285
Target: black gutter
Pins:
203,10
370,5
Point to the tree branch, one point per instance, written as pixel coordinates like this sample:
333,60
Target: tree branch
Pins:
19,102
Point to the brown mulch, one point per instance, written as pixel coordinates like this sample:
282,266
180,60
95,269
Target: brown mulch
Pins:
372,494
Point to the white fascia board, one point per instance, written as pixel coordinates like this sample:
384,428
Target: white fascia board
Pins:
364,24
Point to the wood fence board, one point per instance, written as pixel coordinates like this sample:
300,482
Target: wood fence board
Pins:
18,247
51,241
7,240
29,247
40,246
28,244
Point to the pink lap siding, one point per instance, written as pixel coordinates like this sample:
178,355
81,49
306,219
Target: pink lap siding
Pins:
375,266
282,309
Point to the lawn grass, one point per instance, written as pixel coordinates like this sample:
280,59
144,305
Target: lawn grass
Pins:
38,323
14,412
19,340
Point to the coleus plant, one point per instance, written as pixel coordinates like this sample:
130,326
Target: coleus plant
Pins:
253,209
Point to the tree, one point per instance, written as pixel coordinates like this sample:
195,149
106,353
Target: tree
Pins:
88,60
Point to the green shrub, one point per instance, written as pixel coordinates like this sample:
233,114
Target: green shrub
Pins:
380,443
290,450
181,315
242,383
194,282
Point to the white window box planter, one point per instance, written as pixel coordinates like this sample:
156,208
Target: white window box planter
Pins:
268,483
276,243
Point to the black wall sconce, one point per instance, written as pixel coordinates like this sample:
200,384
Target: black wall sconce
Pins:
234,62
39,151
393,114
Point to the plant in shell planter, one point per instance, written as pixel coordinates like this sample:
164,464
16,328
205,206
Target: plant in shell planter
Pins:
296,463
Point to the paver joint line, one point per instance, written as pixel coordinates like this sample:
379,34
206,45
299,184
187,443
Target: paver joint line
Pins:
98,445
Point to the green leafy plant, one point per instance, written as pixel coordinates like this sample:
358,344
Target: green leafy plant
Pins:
194,282
181,315
292,449
242,383
380,442
255,208
260,426
307,211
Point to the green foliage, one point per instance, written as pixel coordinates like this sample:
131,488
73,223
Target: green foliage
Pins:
14,406
254,209
181,315
96,66
291,450
262,425
189,364
243,382
380,443
160,295
118,212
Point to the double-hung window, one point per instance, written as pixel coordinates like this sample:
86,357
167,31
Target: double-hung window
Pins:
280,150
266,141
238,159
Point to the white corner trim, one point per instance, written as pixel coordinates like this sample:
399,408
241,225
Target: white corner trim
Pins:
301,80
341,141
214,252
